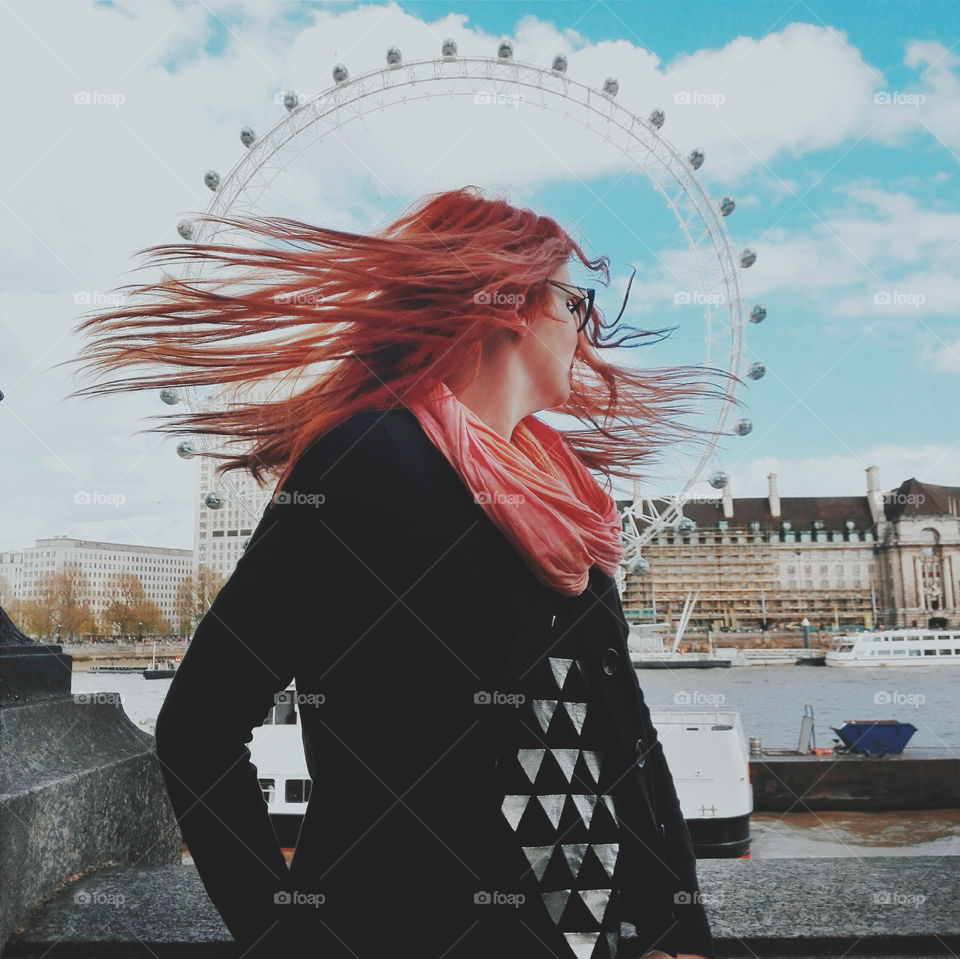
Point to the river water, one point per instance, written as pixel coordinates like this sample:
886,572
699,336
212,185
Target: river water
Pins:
770,700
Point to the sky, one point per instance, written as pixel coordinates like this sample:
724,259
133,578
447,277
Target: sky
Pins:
834,126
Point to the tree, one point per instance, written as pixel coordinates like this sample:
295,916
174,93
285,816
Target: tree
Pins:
195,595
75,614
129,606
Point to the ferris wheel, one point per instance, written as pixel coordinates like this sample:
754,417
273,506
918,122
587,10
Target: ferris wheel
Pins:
706,264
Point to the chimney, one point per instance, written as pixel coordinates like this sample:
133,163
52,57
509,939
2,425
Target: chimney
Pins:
773,496
874,496
727,501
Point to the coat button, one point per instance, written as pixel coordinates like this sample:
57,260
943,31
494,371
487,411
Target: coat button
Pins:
641,758
663,831
610,660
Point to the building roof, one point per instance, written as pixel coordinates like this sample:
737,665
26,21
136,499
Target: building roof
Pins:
913,498
801,511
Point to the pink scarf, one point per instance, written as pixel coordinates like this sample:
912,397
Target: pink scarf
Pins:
534,488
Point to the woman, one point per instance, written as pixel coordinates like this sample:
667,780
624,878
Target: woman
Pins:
435,571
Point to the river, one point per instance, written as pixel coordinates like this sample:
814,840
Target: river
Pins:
770,700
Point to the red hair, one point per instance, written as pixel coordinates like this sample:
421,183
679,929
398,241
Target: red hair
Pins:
393,312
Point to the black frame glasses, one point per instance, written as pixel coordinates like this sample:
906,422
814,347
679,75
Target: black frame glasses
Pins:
573,305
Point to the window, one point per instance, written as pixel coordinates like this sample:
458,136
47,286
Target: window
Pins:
297,790
269,789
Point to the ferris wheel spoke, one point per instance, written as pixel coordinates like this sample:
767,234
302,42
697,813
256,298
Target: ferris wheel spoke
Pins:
700,273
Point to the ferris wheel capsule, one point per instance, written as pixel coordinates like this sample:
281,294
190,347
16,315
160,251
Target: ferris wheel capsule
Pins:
756,370
185,229
743,427
559,63
657,118
170,397
212,179
393,57
247,136
727,205
340,73
719,479
640,566
610,86
696,159
505,50
758,314
748,257
213,501
448,48
186,449
686,525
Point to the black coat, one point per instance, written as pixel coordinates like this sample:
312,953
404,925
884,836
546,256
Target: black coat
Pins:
378,583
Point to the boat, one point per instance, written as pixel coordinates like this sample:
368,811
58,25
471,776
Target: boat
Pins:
165,670
706,751
648,647
896,647
709,760
874,737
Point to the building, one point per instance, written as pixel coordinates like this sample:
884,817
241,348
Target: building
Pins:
221,534
884,558
161,570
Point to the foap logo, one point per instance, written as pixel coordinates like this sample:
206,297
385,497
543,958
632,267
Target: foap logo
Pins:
897,98
698,98
696,298
894,897
694,697
96,298
894,697
488,497
300,700
284,97
903,499
98,699
483,697
496,298
298,298
288,497
504,99
98,98
685,897
484,897
898,298
96,897
97,498
296,898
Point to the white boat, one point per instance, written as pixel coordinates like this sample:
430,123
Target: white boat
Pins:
277,751
896,647
706,751
709,760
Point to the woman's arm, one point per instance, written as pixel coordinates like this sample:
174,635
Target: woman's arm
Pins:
690,933
244,652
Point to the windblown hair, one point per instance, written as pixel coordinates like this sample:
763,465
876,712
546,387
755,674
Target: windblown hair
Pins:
388,315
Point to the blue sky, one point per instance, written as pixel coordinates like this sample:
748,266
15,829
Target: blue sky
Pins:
848,199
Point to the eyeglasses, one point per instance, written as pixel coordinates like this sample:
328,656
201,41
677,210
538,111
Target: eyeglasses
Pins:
580,306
